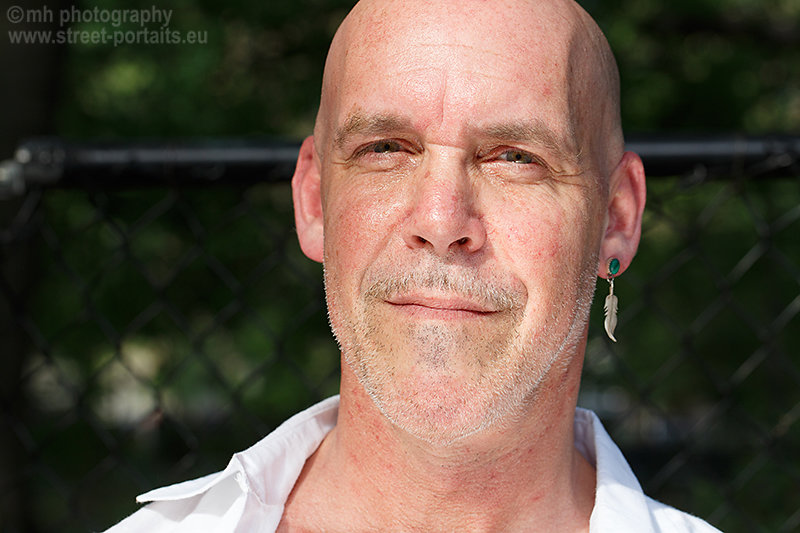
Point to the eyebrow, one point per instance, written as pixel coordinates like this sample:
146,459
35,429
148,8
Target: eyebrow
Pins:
362,124
534,131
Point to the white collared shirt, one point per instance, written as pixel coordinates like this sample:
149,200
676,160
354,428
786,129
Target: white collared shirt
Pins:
249,495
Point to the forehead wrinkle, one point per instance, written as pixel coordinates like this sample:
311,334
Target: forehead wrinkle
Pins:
426,47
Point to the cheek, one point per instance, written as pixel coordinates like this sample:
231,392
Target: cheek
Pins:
357,226
530,249
546,241
534,232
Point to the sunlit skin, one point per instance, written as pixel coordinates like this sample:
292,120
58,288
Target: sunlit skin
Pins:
465,184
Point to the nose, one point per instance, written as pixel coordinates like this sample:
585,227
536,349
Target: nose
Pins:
443,216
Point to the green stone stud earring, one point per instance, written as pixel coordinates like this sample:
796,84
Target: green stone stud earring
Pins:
613,267
612,303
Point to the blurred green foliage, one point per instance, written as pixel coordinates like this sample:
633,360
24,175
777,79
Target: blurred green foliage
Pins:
709,65
258,74
175,327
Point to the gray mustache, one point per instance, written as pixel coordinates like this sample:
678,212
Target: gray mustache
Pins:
488,293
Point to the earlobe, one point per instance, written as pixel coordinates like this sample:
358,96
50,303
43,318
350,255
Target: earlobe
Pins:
627,192
307,199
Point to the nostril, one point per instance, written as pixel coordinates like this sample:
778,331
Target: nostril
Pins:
463,240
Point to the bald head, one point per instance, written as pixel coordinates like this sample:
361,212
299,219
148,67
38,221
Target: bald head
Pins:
465,149
452,56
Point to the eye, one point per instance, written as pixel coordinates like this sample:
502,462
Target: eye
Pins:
514,164
384,154
518,156
383,147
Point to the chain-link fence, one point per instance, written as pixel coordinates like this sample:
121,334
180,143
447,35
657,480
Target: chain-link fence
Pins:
150,332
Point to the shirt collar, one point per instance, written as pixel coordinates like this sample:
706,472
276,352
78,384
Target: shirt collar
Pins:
619,504
269,469
277,459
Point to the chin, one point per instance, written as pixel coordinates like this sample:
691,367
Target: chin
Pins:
439,406
437,413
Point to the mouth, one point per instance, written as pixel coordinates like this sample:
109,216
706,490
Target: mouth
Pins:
440,306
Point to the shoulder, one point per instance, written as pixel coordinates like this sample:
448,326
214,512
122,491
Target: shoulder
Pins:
620,503
669,520
251,490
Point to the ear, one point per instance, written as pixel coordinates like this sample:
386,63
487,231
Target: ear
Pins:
307,199
626,198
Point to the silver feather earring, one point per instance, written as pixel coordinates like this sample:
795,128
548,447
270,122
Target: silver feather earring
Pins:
611,300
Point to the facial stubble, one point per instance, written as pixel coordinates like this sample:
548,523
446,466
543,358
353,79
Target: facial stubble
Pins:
443,381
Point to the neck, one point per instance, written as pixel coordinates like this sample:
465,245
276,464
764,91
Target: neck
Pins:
524,473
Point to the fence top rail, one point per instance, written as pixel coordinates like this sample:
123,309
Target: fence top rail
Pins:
57,162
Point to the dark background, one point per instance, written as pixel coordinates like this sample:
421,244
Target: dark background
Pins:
147,334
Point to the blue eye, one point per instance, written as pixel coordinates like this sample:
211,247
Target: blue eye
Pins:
517,156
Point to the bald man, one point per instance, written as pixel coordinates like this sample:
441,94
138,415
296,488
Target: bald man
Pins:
465,185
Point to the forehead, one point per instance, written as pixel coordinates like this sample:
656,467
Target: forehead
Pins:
501,25
449,68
